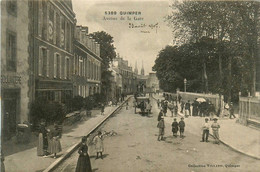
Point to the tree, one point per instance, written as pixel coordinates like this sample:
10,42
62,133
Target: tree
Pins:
107,53
233,26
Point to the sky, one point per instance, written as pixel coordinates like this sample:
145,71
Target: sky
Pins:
137,38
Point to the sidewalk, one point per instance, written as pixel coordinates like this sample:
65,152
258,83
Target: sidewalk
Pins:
28,161
241,138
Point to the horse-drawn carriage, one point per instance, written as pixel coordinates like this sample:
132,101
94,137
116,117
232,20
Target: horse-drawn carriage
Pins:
143,103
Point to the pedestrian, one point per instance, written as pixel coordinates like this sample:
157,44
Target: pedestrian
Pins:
149,108
165,107
182,106
226,110
182,126
161,127
160,115
42,144
126,107
102,109
176,110
83,164
158,103
231,110
205,129
187,109
55,147
98,141
195,106
215,127
175,127
179,98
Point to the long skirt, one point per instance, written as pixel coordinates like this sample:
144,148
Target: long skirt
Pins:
40,150
55,146
83,164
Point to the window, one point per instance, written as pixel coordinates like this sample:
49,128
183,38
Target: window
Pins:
12,7
88,68
58,29
11,51
62,34
51,24
44,21
68,36
67,68
43,63
80,66
57,66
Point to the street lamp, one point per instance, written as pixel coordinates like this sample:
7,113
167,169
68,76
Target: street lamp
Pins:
185,82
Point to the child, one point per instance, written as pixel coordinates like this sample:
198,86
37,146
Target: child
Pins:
175,126
215,127
161,127
98,141
182,126
205,129
126,105
83,163
102,109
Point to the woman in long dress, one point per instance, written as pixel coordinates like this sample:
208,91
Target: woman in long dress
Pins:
83,164
42,141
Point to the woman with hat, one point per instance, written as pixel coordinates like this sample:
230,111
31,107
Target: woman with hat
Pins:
83,164
215,127
42,140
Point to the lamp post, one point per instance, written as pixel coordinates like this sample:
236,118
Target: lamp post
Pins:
185,82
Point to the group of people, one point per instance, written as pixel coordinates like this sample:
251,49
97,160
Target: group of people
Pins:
83,163
49,140
215,128
176,126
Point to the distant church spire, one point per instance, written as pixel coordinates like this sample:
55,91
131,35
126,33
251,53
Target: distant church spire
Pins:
136,69
142,70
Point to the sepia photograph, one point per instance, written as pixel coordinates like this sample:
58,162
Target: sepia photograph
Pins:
130,86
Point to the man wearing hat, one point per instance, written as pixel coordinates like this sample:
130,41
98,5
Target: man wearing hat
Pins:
161,127
205,129
215,127
182,126
160,115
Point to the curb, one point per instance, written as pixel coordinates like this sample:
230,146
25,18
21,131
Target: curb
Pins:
228,145
70,150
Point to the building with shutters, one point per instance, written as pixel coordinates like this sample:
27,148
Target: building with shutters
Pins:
15,71
129,78
86,64
52,34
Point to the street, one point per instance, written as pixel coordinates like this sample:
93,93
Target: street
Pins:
134,147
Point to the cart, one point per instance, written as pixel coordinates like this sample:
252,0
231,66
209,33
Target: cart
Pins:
141,103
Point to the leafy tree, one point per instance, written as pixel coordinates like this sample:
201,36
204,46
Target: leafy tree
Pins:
107,53
234,27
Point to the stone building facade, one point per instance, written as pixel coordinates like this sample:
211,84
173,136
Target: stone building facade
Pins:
14,65
52,34
128,76
86,64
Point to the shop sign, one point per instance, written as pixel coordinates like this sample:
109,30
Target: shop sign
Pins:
10,79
